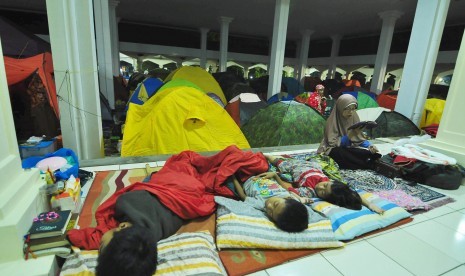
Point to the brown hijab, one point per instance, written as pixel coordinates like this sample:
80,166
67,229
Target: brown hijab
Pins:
336,125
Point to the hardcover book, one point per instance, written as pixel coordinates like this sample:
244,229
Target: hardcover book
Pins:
47,243
49,224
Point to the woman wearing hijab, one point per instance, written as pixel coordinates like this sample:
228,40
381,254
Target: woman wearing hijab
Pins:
349,148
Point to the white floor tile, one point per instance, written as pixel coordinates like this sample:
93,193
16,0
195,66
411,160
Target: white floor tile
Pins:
313,265
384,232
441,237
415,255
102,168
455,221
363,259
459,271
416,219
459,204
259,273
438,212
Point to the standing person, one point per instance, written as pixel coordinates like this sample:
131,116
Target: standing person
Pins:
349,148
318,100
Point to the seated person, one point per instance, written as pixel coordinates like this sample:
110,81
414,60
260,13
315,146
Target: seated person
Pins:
144,221
309,174
349,148
268,193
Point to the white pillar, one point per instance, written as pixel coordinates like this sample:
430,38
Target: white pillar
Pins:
246,72
303,58
422,52
389,21
336,42
20,200
104,20
140,60
451,133
114,20
224,33
203,47
335,45
278,46
71,26
296,64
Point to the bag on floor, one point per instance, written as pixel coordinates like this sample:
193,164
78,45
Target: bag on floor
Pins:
386,167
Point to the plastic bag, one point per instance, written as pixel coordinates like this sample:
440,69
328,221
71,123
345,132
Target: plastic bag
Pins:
66,153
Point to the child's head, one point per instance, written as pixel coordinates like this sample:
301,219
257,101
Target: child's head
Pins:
130,251
288,214
338,193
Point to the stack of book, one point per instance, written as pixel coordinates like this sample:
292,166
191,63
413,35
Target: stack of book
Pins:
47,235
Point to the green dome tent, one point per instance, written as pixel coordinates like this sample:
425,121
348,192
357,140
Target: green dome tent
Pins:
284,123
390,123
364,100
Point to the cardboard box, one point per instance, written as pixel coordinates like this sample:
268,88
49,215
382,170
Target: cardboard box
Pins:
70,199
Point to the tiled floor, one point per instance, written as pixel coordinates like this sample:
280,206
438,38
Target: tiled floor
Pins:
433,244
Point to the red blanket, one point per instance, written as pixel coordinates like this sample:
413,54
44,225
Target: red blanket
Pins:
186,185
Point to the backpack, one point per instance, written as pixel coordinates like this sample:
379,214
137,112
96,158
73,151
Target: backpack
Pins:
447,177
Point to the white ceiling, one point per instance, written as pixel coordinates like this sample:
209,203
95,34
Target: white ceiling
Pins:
255,17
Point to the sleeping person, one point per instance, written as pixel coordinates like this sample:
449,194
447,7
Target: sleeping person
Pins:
309,174
144,221
268,193
132,220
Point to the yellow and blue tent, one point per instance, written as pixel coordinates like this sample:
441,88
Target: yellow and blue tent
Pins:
145,90
199,77
179,118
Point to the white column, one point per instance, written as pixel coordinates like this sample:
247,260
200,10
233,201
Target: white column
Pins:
389,21
336,42
278,46
246,72
422,52
303,57
224,33
20,200
114,20
71,26
451,133
105,47
203,47
296,64
140,60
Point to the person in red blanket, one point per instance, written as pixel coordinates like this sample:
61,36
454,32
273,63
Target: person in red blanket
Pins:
317,100
135,218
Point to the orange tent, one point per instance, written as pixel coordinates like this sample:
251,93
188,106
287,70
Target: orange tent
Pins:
19,69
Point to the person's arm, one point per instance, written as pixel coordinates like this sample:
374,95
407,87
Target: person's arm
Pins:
372,207
286,185
275,176
239,189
